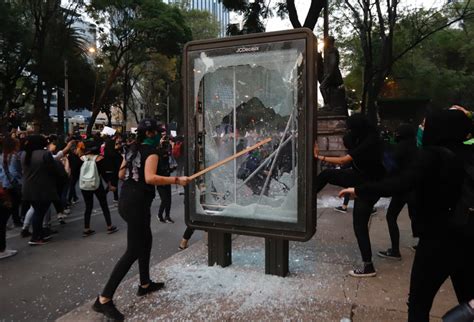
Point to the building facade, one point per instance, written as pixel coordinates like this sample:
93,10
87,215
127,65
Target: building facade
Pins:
215,7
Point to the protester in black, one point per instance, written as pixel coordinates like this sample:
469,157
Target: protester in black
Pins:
112,159
139,174
40,172
437,178
164,170
366,159
402,155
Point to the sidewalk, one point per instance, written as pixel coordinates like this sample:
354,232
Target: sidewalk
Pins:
318,287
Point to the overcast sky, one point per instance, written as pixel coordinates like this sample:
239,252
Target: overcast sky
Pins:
302,7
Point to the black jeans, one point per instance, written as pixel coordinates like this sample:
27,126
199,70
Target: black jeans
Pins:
435,260
165,196
134,208
40,207
72,195
4,216
393,211
188,233
15,194
89,200
362,207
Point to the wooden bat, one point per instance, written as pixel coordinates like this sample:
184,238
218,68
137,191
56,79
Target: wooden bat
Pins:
232,157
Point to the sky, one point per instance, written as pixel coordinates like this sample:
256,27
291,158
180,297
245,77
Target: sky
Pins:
302,6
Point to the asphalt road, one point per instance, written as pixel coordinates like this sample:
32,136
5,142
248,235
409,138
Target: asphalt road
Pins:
44,282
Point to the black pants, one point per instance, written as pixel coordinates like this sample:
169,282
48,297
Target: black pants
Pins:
435,260
40,207
362,207
16,203
134,208
4,216
165,196
72,195
393,211
89,200
188,233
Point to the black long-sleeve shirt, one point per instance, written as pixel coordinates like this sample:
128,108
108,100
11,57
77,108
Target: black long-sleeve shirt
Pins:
436,178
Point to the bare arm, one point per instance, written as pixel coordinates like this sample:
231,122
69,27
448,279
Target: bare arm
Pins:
151,164
123,169
334,160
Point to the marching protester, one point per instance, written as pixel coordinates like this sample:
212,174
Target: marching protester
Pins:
164,169
39,170
365,155
138,171
112,159
442,177
401,157
90,183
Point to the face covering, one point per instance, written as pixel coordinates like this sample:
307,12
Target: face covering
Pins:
419,137
153,141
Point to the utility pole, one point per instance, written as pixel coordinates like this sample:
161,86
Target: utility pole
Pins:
66,95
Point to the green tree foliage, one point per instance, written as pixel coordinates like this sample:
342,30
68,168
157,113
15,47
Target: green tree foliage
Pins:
132,31
203,24
376,42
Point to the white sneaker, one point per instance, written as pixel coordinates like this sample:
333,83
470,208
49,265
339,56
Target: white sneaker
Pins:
8,253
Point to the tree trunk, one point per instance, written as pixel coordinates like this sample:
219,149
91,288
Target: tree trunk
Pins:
314,13
293,14
98,103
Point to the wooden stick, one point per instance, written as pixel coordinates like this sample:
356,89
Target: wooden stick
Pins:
232,157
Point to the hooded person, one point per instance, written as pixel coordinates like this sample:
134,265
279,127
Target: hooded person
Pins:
436,176
365,156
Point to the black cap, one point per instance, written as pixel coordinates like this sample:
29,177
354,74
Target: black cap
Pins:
147,125
91,147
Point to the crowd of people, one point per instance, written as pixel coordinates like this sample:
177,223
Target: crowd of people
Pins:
40,177
436,181
430,169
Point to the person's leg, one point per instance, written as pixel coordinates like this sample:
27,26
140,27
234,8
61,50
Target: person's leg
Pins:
28,218
147,242
102,197
88,197
361,217
132,213
25,206
4,216
186,237
15,209
412,214
162,193
396,205
338,177
168,201
429,271
40,209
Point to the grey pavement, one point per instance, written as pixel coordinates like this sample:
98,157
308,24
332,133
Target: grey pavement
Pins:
317,289
45,282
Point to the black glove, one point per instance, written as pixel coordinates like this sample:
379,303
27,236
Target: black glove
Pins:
461,313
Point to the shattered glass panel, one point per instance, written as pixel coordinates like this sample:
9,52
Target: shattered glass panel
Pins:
243,95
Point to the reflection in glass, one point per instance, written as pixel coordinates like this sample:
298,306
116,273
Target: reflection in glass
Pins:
241,99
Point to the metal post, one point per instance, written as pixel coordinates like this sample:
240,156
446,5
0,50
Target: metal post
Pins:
234,125
66,95
276,256
219,246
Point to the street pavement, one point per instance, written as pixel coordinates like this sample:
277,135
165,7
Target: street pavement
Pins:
317,289
45,282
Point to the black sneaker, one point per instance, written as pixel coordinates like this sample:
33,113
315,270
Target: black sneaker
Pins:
25,233
153,287
169,221
367,270
390,254
112,230
460,313
37,242
341,209
162,220
108,309
87,233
